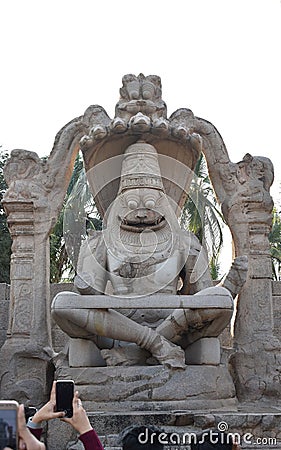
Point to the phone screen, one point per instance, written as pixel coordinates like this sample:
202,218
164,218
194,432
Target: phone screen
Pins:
8,428
64,396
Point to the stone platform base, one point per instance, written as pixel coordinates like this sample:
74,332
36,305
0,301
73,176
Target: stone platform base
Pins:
153,388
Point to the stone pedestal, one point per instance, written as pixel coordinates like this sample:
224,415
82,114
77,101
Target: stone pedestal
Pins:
154,388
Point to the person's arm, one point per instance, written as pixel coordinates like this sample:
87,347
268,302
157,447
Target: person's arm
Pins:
37,432
91,440
47,412
81,424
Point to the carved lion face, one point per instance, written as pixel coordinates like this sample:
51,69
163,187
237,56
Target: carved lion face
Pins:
142,209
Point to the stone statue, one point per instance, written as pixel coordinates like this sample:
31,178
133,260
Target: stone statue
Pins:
146,294
143,251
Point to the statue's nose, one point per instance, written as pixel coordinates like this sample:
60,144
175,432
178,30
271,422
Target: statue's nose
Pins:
141,213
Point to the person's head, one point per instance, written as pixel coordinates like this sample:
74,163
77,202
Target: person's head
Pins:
141,438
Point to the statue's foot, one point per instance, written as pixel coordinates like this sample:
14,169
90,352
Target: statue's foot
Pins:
237,275
131,355
163,352
167,353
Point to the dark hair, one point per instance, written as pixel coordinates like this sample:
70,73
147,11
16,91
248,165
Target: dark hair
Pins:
144,437
212,440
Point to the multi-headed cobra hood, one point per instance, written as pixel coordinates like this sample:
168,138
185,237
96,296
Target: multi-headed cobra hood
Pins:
140,116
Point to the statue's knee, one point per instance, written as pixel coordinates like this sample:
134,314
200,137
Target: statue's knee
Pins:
215,314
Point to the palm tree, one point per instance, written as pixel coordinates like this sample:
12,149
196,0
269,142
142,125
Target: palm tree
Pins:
59,261
62,256
202,216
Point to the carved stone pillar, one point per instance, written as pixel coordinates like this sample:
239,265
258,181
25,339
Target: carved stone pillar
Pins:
243,190
32,203
248,211
27,353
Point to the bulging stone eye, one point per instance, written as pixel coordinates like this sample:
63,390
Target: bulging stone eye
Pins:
150,204
147,95
132,204
148,90
134,95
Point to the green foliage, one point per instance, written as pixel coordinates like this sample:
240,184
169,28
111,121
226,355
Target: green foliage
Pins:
63,257
202,216
59,261
214,267
5,238
275,244
58,255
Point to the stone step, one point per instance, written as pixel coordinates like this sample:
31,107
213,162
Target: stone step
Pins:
258,430
255,430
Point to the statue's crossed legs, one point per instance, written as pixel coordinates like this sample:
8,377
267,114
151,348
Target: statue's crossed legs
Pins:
166,343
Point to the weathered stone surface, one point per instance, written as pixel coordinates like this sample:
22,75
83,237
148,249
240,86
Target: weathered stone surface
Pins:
84,353
4,311
114,388
204,351
59,432
276,288
249,429
221,300
276,304
4,292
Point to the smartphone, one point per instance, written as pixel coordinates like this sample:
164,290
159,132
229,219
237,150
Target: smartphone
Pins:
64,396
9,424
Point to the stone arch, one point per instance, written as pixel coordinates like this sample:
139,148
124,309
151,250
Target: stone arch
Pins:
34,199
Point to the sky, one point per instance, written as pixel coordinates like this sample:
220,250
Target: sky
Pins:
220,58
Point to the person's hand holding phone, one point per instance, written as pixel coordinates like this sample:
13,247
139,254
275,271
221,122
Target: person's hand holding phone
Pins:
79,420
47,411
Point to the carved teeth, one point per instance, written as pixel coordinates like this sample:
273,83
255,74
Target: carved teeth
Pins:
142,224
